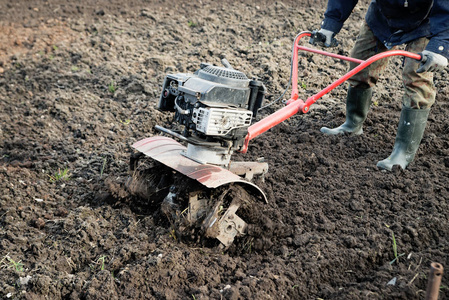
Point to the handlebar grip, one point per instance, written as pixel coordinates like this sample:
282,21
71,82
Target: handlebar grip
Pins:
423,58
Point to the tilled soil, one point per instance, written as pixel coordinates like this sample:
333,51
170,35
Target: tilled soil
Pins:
79,82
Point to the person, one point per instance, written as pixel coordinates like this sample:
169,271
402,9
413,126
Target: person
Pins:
423,26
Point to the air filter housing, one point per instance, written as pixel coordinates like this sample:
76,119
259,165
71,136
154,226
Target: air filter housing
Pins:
226,76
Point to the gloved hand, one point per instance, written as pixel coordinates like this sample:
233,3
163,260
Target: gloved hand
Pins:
431,62
323,37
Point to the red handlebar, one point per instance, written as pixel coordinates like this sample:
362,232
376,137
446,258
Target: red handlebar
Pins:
295,105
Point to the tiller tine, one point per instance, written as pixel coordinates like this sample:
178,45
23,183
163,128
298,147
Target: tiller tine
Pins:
217,216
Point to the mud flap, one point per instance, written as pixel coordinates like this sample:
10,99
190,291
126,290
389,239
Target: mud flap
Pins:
170,153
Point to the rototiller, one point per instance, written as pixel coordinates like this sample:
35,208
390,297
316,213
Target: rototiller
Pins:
213,113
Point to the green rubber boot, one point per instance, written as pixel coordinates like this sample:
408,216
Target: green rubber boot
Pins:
410,132
358,102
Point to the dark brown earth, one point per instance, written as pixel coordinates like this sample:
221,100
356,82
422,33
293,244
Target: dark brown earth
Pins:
79,81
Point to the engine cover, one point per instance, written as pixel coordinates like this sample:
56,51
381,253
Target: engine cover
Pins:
220,121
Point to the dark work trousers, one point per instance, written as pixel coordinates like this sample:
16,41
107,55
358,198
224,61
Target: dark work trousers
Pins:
419,90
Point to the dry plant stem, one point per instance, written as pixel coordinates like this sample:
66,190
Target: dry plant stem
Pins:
413,279
4,258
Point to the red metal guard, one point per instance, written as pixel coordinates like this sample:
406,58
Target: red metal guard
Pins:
295,105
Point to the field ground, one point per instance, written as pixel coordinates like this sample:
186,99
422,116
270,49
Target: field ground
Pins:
79,82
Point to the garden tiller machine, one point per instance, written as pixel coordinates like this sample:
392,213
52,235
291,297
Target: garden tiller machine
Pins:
201,190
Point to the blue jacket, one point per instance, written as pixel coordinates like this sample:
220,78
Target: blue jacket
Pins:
396,22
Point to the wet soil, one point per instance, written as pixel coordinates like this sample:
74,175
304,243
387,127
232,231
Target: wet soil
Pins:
79,82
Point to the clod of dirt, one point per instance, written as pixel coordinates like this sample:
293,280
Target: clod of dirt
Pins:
61,212
39,223
102,286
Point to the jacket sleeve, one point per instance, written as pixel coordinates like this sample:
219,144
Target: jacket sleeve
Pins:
439,28
337,13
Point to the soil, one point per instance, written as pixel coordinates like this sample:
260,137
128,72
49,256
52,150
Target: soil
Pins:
79,82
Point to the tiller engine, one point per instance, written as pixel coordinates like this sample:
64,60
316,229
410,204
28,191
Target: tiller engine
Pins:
216,105
213,109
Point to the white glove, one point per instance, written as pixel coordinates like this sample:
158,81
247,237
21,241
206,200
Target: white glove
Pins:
323,37
328,34
431,62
